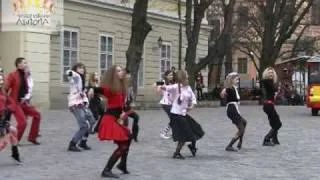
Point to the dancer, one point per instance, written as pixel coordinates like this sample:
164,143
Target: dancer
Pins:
184,127
166,101
130,112
78,105
18,89
268,94
231,93
114,87
8,133
95,100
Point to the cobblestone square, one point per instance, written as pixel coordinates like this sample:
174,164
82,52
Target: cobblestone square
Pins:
297,157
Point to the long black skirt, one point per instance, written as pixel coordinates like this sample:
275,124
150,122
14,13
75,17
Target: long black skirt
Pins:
185,128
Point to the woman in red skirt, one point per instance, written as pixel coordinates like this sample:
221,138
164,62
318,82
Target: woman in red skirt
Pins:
8,133
113,87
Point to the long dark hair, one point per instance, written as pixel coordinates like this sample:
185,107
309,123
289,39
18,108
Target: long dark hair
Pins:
166,80
112,80
83,76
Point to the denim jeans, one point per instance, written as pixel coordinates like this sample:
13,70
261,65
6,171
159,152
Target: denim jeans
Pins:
85,122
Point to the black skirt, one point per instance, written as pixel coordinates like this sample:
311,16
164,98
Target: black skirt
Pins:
185,128
233,114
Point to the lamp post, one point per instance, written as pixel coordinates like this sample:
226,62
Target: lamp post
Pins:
228,45
160,41
180,35
228,36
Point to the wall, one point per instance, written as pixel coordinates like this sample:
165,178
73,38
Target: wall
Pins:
91,21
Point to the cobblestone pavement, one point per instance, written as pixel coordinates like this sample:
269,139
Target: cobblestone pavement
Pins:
297,157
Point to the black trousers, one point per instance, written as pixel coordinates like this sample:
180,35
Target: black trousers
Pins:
199,93
273,117
135,124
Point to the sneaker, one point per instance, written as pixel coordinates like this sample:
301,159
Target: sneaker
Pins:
83,144
164,136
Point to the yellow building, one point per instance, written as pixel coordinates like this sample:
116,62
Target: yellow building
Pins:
97,33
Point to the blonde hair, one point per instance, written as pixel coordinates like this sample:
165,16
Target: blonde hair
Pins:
181,79
265,74
92,80
229,79
112,80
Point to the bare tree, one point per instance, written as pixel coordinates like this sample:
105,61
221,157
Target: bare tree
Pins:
139,31
218,42
219,45
271,25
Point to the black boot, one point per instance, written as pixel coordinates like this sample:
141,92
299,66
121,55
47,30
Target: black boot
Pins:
229,147
122,166
83,144
73,147
177,156
15,153
267,139
192,148
275,139
107,170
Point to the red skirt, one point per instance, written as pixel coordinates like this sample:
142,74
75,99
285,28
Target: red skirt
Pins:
110,129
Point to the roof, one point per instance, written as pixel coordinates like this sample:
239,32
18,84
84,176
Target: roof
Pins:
301,59
129,6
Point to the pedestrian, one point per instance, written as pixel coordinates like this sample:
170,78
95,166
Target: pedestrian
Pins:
8,133
184,127
199,86
18,89
230,92
166,101
130,112
114,87
269,94
78,105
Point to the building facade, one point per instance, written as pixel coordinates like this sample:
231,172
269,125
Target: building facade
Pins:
97,33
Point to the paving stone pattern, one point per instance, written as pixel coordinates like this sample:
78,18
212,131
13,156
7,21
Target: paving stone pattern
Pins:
297,157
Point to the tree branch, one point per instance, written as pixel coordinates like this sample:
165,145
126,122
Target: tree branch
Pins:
296,43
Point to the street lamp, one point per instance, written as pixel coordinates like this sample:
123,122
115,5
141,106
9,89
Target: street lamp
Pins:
180,35
228,35
160,41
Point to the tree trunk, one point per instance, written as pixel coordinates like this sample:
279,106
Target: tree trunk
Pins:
219,72
211,73
139,31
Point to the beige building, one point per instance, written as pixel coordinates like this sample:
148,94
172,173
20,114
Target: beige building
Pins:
97,33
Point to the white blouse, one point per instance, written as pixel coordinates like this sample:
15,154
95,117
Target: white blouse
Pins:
187,98
30,87
77,95
166,98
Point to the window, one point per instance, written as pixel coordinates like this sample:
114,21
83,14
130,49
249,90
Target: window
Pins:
242,65
70,51
105,53
315,13
165,58
243,16
141,72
